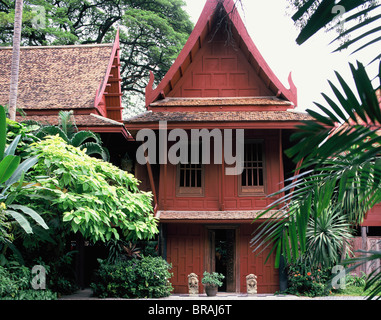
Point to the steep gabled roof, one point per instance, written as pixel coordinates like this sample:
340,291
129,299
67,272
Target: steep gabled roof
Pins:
198,39
56,77
73,77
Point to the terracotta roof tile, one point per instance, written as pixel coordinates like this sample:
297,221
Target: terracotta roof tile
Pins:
57,77
220,116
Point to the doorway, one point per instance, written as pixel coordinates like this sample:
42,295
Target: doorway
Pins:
222,255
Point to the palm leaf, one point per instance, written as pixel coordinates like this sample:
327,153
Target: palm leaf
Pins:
373,282
66,122
324,15
343,167
80,137
52,131
359,117
93,148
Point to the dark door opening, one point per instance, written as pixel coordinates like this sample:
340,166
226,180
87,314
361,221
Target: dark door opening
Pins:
222,260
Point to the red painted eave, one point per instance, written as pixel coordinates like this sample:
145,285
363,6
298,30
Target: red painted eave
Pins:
195,42
102,90
217,125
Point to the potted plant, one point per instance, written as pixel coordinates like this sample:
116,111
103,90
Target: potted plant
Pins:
211,282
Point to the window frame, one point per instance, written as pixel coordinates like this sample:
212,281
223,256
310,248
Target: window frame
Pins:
190,191
249,191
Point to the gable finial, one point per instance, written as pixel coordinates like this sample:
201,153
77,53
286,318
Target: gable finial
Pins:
149,88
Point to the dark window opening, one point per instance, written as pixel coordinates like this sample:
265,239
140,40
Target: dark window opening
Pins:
252,177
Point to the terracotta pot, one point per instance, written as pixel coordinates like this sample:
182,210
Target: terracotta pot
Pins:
211,290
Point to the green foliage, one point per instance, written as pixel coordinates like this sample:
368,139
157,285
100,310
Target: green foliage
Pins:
61,276
341,169
144,278
355,280
93,197
120,250
12,172
88,141
212,278
373,280
15,285
359,24
25,132
307,281
327,238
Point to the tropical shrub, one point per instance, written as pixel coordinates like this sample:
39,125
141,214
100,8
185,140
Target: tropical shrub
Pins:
93,197
355,280
87,141
12,172
307,281
15,284
327,238
136,278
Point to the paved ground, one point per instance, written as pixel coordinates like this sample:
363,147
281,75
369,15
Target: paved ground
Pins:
87,295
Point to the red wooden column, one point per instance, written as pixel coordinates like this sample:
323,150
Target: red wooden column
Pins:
222,179
281,169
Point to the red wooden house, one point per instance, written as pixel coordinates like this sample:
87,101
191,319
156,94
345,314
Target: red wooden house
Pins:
219,81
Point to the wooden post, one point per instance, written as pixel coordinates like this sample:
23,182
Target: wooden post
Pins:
152,182
165,186
364,245
222,184
80,263
281,166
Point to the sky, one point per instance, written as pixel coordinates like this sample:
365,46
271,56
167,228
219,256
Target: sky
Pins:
312,64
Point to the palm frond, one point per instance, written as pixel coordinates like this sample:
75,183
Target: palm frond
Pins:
355,10
51,131
347,124
67,123
341,168
81,137
93,148
373,282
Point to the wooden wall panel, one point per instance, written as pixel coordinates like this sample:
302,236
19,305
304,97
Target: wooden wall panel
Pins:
267,275
373,217
219,70
168,200
185,250
186,253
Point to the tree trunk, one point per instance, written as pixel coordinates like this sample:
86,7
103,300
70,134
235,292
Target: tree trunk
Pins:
15,60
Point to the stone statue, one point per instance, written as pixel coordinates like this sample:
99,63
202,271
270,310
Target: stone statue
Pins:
251,283
193,284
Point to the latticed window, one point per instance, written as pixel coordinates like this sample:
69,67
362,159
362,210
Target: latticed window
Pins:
190,177
252,177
